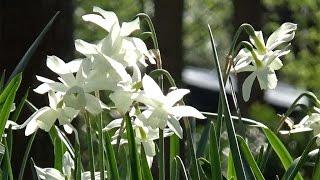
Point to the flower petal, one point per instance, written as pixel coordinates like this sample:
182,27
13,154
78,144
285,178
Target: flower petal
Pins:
175,96
284,33
175,126
186,111
113,124
267,78
32,125
152,89
57,65
149,148
128,27
247,85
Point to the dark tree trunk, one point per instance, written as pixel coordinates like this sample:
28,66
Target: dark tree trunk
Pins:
20,24
249,11
168,24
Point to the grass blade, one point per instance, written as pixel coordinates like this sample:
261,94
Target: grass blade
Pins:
111,158
174,151
231,172
234,147
280,150
201,147
134,159
144,166
26,155
250,159
6,107
298,163
27,56
214,155
3,76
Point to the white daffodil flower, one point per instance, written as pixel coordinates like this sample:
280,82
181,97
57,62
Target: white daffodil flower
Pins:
117,45
67,171
143,134
45,117
75,89
162,108
264,60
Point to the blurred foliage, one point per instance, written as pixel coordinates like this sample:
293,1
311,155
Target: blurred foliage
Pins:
302,68
196,42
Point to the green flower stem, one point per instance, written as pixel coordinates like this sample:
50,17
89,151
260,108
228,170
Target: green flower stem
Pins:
26,155
161,156
90,145
249,30
101,142
151,27
8,161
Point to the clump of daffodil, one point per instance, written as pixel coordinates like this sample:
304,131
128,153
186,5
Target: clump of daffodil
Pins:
263,59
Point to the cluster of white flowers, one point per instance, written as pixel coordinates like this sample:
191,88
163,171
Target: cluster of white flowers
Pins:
263,60
104,68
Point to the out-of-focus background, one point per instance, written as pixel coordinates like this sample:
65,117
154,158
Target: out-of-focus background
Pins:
181,27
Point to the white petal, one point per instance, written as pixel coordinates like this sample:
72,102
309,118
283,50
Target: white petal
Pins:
68,128
110,17
122,100
175,96
113,124
152,89
267,79
49,173
128,27
276,64
175,126
260,38
42,89
93,104
32,125
47,119
158,118
84,47
247,85
186,111
149,148
74,65
67,164
284,33
57,65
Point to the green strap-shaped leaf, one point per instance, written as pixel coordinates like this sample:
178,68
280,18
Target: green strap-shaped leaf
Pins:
298,163
111,157
280,150
234,147
249,158
134,159
214,155
27,56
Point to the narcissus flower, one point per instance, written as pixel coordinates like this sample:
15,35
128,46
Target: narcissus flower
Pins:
163,109
263,60
45,117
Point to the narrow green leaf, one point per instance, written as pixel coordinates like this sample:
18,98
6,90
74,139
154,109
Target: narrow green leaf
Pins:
9,87
58,147
231,172
174,151
214,155
146,172
250,159
111,158
101,146
298,163
280,150
26,155
6,108
260,155
134,159
7,162
27,56
202,144
234,147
